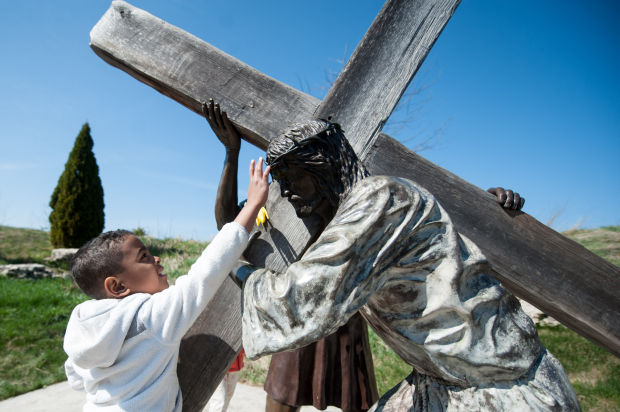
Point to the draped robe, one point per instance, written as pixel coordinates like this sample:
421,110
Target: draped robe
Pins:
392,253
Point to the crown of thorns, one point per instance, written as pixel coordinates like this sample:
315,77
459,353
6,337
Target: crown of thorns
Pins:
296,145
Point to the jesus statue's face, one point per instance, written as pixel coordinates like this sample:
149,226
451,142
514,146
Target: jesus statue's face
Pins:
302,191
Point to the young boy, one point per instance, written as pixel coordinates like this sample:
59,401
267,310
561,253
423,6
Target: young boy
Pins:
123,345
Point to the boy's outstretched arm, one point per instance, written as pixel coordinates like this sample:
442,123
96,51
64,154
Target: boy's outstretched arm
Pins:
173,311
226,204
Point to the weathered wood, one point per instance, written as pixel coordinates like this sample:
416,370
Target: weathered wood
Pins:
190,71
580,293
210,346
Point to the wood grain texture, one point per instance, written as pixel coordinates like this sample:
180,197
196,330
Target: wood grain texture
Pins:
190,71
210,346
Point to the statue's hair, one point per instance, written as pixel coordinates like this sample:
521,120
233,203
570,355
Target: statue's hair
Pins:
97,259
321,148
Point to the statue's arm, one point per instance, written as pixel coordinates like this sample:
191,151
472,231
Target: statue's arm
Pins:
226,204
331,282
284,311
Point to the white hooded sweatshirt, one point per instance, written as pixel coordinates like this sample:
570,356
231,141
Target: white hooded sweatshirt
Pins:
124,352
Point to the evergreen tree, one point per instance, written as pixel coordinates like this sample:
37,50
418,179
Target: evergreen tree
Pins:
77,201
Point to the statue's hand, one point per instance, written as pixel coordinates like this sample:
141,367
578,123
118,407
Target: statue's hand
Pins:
507,198
225,131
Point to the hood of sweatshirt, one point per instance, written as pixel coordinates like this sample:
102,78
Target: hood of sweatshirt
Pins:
97,329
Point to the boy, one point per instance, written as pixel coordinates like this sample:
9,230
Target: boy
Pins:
123,345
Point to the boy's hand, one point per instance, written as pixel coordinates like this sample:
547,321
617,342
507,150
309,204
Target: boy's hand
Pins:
507,198
259,184
223,128
257,195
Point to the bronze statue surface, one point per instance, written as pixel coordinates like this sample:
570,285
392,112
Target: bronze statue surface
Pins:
390,251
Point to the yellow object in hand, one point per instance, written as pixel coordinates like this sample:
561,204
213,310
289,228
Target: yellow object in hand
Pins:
262,216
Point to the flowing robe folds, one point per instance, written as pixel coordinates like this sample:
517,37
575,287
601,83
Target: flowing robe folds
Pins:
392,253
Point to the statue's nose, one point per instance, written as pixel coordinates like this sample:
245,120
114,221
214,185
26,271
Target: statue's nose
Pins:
284,189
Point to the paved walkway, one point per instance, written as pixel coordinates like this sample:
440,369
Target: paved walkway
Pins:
61,398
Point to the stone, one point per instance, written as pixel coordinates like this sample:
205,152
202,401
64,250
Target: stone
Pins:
26,271
62,255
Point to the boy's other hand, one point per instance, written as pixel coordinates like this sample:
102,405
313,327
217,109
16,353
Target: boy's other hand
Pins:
221,125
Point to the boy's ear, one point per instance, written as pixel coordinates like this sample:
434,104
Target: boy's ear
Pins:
115,288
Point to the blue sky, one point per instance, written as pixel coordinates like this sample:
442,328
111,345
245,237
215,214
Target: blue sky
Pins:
523,94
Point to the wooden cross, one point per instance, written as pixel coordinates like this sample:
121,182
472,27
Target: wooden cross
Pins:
533,261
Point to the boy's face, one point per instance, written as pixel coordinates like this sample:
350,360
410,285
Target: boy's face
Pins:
141,272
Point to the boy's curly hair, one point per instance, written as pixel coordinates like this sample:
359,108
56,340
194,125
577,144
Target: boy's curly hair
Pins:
97,259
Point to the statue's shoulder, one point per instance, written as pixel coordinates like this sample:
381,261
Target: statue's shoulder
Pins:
394,186
381,182
373,184
372,188
381,193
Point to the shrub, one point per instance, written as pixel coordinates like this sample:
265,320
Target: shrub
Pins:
77,201
139,231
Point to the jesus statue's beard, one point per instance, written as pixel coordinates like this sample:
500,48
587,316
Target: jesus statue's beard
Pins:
304,208
304,211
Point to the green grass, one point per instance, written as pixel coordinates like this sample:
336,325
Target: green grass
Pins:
255,372
593,371
35,313
390,369
23,245
34,316
604,241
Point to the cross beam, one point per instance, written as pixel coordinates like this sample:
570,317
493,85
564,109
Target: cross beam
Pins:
532,260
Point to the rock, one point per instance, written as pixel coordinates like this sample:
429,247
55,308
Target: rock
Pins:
26,271
539,317
63,255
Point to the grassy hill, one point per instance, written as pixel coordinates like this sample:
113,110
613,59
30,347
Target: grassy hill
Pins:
604,241
35,313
